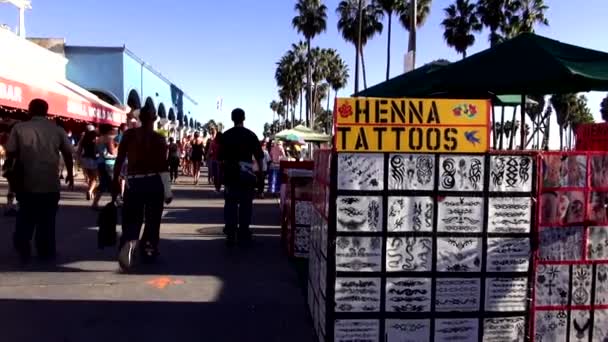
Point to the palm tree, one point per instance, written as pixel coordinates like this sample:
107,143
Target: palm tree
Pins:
337,77
460,23
406,10
348,25
389,7
299,52
274,107
528,13
495,14
287,79
310,21
604,109
562,105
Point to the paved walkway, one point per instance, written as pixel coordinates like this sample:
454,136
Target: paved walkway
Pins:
199,291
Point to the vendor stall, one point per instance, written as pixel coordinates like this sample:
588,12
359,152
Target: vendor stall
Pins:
425,236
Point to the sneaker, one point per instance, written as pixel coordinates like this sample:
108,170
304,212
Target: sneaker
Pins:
127,257
245,238
230,239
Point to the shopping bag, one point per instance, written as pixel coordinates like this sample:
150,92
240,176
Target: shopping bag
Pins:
106,221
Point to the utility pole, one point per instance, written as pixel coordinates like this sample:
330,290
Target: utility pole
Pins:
358,48
22,5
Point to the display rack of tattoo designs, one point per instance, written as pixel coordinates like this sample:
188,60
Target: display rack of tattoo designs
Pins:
430,248
317,255
571,266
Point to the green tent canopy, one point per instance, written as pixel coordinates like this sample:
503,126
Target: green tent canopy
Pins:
303,133
526,64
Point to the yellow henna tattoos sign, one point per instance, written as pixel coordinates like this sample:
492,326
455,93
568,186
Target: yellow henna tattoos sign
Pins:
411,125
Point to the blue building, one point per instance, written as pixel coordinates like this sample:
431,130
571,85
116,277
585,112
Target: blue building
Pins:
120,78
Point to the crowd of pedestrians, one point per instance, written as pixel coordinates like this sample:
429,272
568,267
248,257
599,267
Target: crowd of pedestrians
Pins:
134,164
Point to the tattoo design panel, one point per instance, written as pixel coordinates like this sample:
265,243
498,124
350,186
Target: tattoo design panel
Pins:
408,295
303,212
459,254
360,171
552,285
357,294
504,329
511,173
411,172
597,244
359,214
460,215
508,255
561,243
600,325
411,254
410,214
408,330
550,326
506,294
601,284
363,330
461,173
358,254
509,215
580,326
457,294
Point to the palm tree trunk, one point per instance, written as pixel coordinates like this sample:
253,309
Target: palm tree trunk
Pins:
464,54
411,49
301,98
561,138
308,84
328,97
363,69
388,46
358,45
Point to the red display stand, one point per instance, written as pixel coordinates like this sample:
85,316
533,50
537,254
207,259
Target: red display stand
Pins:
570,298
296,206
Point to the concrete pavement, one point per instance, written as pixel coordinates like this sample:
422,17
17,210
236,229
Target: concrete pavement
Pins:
199,291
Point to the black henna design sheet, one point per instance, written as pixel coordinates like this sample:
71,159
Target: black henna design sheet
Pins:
504,329
461,173
358,254
508,255
410,214
460,214
413,254
456,329
600,325
597,243
359,214
511,173
364,330
408,295
411,172
360,171
457,294
357,294
509,215
506,294
408,330
459,254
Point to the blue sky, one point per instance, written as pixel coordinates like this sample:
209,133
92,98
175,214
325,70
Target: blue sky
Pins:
229,49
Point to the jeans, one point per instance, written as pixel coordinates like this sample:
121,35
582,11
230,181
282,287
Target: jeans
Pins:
238,206
143,201
37,212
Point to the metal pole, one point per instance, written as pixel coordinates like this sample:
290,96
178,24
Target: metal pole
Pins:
358,47
523,122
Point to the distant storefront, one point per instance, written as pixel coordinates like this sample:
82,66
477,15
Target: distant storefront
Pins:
29,71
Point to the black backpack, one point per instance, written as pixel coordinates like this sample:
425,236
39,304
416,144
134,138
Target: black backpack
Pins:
106,221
